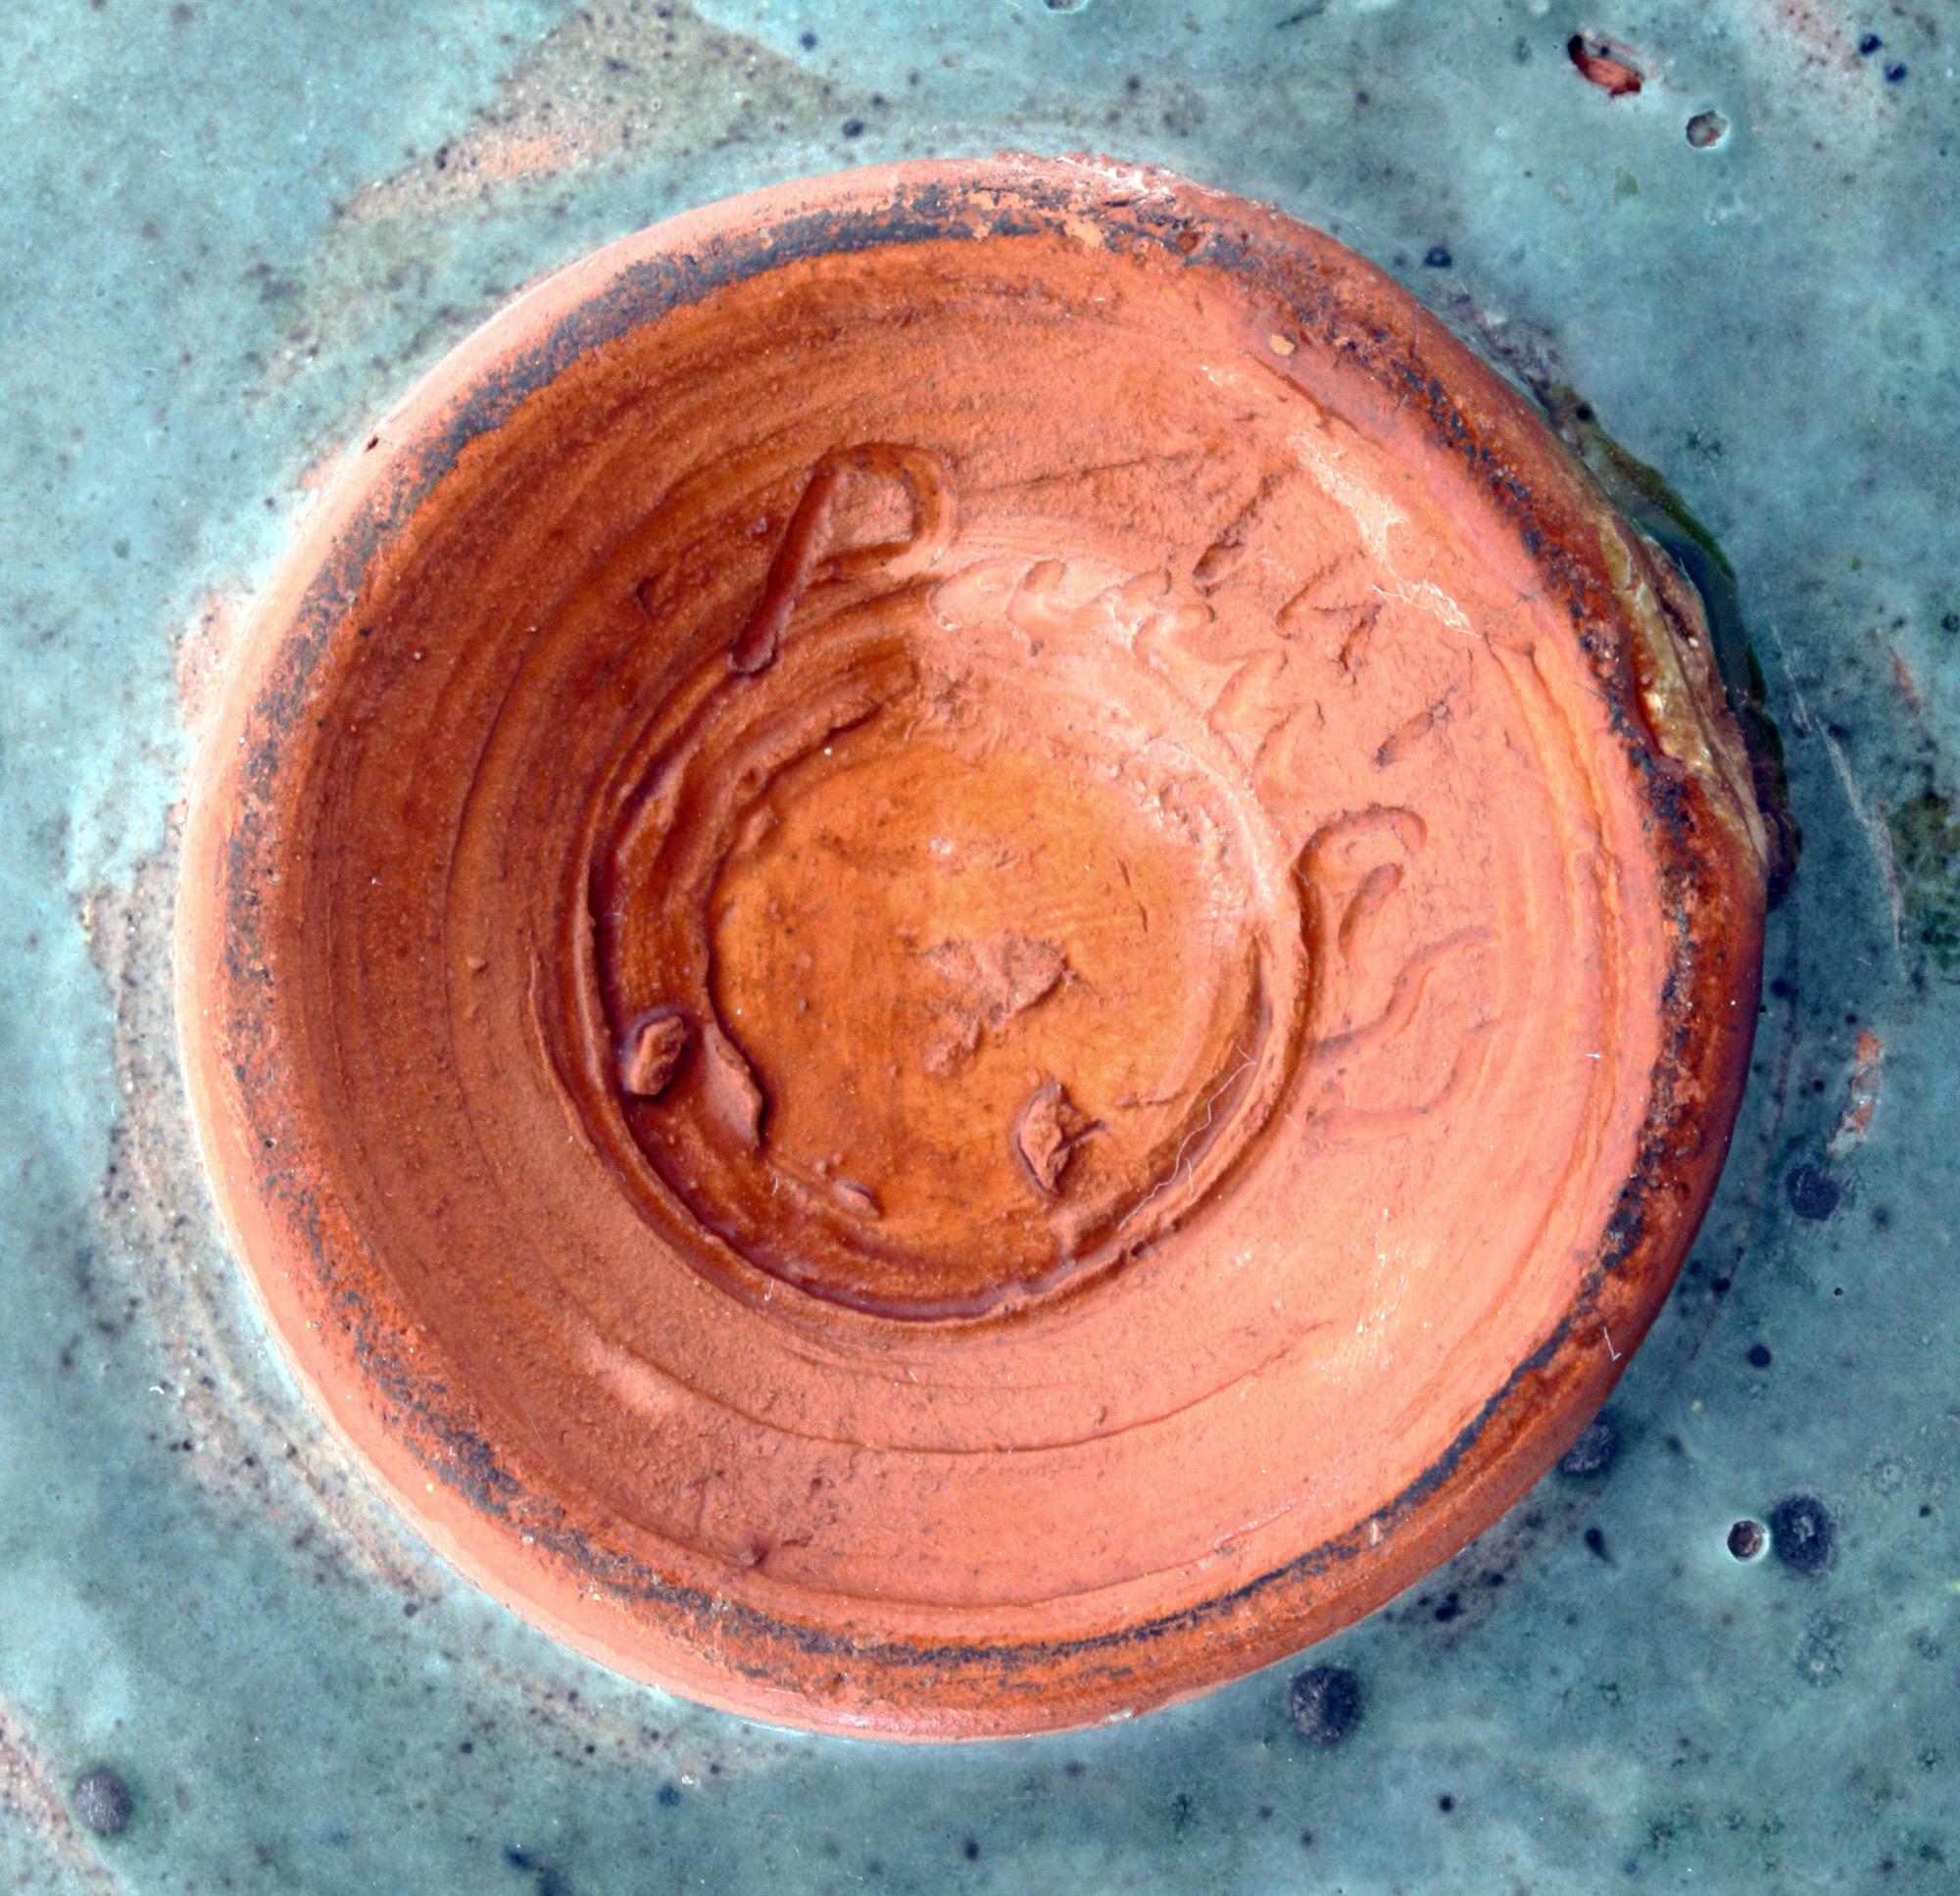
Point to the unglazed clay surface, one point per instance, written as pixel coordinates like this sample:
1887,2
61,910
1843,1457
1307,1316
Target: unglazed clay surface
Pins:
971,937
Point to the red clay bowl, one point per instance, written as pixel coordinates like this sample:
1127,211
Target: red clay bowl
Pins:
963,945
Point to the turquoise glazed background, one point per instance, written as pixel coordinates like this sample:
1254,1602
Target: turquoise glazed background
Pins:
232,233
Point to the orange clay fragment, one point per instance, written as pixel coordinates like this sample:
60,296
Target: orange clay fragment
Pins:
652,1052
1605,65
939,998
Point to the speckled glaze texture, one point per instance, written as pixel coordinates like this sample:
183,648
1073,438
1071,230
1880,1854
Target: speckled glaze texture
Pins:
771,1255
224,1663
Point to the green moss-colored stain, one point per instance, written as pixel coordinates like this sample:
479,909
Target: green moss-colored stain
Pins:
1640,491
1926,853
1654,505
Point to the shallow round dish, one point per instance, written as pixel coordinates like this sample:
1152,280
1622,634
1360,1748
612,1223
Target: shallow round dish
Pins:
962,945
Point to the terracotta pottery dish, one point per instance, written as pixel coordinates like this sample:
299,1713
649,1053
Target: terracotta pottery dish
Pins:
963,945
